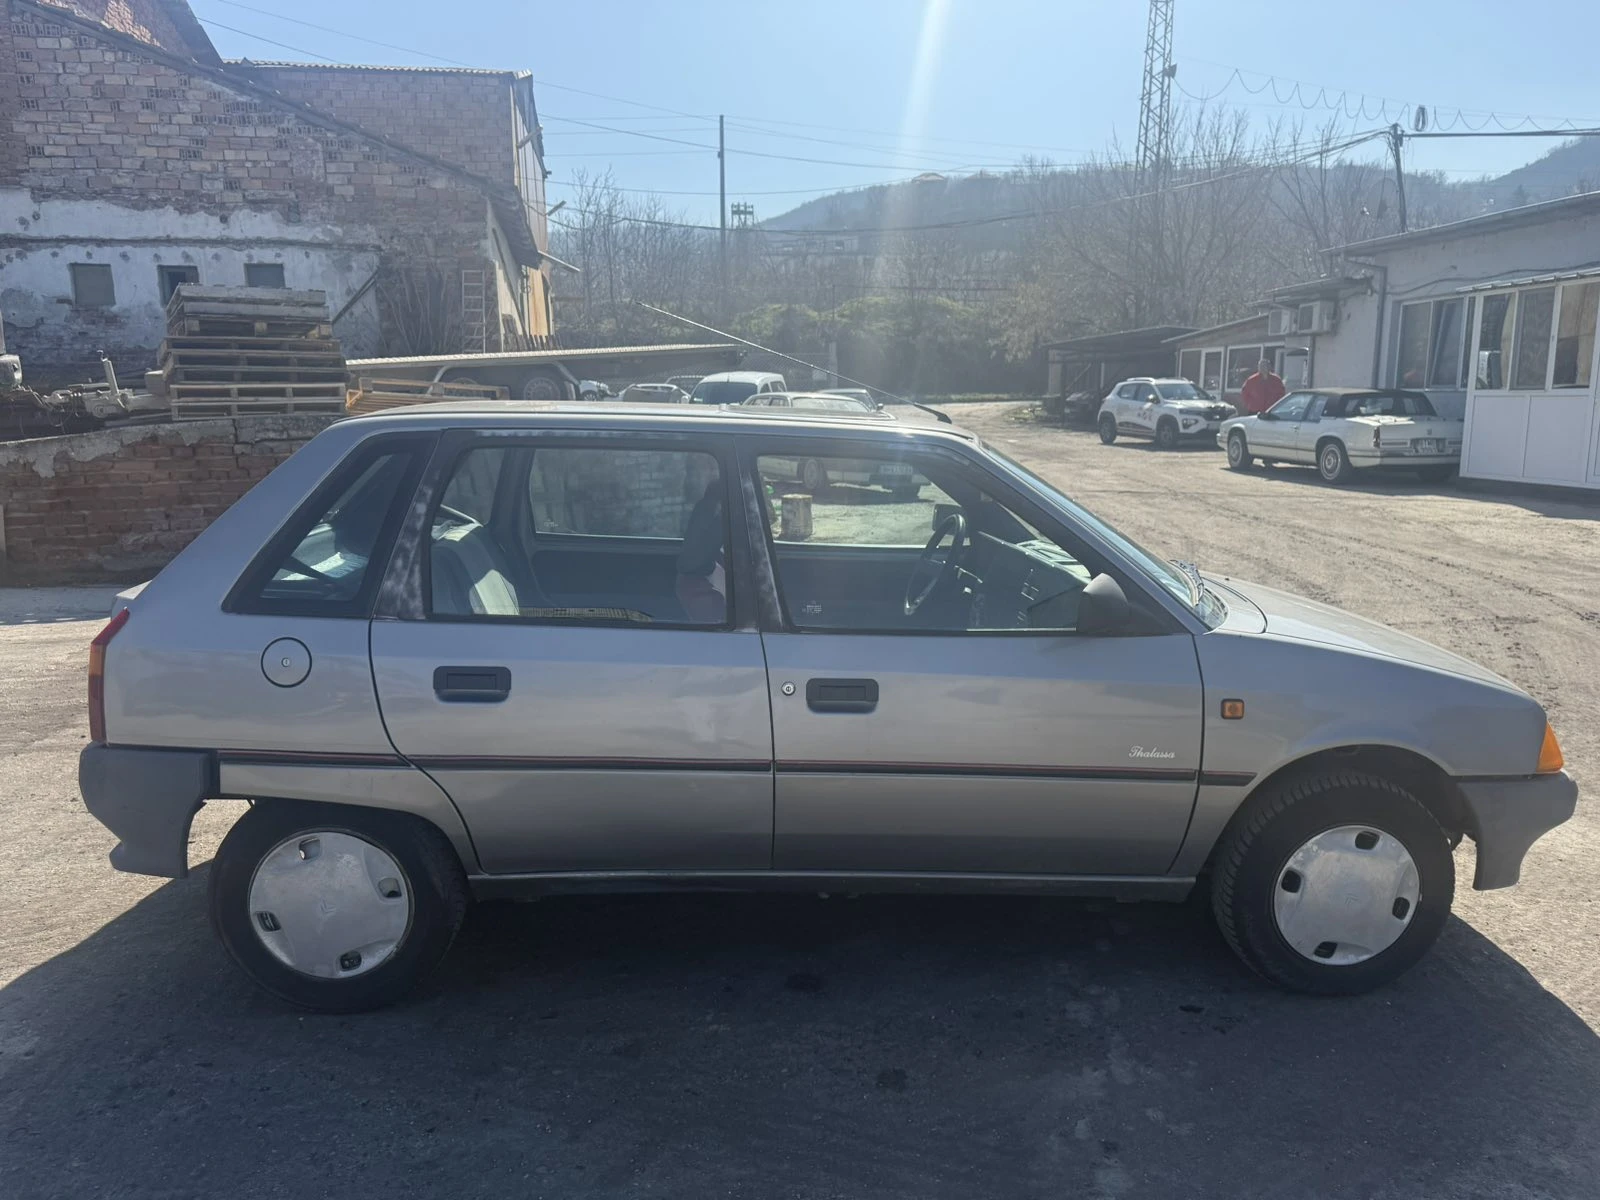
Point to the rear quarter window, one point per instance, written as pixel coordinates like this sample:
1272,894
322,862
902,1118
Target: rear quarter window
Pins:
328,558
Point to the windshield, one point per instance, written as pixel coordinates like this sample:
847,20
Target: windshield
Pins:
1179,391
722,391
830,403
1174,579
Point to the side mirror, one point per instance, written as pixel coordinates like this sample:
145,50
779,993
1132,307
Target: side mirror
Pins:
1103,608
1266,416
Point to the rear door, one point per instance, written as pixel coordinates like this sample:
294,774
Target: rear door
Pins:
978,733
564,652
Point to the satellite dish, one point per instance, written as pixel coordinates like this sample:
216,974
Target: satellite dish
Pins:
1419,121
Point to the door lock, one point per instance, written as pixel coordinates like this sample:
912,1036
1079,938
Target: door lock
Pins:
787,689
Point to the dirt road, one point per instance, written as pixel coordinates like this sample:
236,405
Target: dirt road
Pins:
801,1047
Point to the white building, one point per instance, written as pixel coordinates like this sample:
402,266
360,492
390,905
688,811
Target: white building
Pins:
1495,317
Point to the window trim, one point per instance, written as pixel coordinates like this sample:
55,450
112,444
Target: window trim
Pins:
245,596
1031,509
453,449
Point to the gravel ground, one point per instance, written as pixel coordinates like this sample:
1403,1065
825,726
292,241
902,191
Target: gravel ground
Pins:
803,1047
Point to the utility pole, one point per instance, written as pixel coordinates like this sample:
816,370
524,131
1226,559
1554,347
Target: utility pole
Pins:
722,213
1397,138
1152,160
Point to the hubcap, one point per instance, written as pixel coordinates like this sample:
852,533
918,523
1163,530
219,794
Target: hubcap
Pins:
1346,895
1330,461
1235,448
330,905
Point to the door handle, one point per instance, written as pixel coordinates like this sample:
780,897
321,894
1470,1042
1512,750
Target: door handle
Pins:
842,695
483,685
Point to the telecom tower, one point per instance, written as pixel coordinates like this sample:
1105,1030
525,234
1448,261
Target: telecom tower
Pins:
1153,161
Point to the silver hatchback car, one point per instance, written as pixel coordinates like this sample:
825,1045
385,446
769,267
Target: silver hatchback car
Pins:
461,651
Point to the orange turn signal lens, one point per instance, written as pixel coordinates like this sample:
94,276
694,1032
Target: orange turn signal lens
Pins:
1550,757
1233,710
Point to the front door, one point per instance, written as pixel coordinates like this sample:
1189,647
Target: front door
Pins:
1309,429
1277,431
573,674
934,709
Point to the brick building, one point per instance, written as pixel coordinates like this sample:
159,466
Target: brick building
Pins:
132,159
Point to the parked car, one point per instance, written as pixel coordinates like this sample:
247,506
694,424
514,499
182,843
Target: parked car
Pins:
862,394
593,389
735,387
1167,411
654,393
686,382
1344,430
471,650
815,475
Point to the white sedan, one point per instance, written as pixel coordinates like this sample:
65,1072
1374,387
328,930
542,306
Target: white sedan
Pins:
1344,430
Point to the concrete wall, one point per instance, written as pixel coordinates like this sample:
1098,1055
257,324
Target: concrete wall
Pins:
1344,358
59,342
117,504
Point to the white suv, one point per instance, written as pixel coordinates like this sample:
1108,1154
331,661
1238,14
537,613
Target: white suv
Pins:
1168,411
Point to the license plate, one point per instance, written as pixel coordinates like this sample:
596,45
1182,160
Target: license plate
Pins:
894,469
1427,446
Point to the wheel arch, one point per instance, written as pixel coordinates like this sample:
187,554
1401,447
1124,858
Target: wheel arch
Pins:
1418,774
1332,437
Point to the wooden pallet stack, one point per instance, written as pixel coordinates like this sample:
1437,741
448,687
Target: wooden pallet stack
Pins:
235,351
375,395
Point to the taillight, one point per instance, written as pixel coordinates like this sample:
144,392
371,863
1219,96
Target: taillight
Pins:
97,674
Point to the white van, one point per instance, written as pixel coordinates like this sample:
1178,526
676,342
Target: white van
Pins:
735,387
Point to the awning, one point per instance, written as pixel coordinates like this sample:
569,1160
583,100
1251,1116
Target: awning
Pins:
1530,280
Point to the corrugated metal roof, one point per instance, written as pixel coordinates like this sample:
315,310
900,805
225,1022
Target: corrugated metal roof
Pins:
321,66
1528,280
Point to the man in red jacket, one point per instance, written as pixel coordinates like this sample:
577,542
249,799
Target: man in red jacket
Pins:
1262,390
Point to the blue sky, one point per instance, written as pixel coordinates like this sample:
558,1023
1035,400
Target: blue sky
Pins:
876,90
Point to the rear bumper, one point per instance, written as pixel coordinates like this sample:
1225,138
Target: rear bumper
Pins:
148,799
1509,815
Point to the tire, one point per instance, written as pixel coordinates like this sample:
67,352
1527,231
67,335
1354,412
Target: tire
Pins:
1108,428
1166,434
1238,451
1435,473
421,867
542,385
1333,464
813,478
1254,870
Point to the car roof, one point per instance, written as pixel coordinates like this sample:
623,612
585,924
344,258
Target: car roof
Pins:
740,377
1153,379
656,387
644,418
1364,391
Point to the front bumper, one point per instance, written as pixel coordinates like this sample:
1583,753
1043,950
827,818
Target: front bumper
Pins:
148,798
1509,815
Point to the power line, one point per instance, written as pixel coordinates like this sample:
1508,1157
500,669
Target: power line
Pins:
355,37
257,37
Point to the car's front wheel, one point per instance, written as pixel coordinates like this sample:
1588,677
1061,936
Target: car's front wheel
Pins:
1333,463
1166,434
1238,451
334,908
1108,428
812,476
1333,883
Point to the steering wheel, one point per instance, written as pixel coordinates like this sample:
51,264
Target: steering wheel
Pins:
937,563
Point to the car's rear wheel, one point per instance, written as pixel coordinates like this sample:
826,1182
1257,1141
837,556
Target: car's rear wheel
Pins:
1333,884
547,385
1166,434
1437,473
1108,428
333,908
1333,464
1238,451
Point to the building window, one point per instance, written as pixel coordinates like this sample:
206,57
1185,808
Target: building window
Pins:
267,275
1431,350
1494,342
1532,361
171,277
1244,360
91,285
1580,306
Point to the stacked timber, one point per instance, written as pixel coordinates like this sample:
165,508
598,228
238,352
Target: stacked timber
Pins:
375,395
235,351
